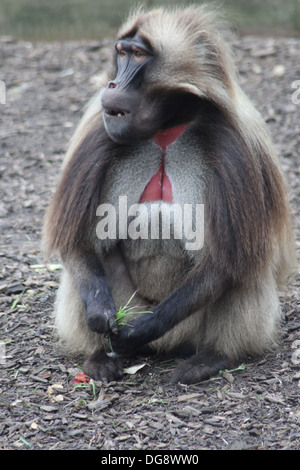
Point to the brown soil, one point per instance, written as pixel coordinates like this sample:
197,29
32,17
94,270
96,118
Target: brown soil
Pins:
257,407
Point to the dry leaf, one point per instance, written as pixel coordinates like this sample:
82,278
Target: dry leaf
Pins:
188,397
133,369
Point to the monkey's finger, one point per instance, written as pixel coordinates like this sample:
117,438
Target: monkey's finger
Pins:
102,322
112,325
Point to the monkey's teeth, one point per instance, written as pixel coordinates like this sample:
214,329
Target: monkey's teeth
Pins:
118,113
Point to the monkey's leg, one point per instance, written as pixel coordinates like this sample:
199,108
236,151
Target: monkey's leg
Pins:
199,290
101,366
200,366
243,322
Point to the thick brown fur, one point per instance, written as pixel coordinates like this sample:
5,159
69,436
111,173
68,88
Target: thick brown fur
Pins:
247,222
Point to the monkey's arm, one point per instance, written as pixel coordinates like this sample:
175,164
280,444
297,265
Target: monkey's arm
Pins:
200,289
88,275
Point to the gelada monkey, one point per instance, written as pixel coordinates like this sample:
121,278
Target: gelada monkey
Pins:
170,128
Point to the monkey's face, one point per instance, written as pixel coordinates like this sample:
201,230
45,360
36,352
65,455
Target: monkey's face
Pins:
133,108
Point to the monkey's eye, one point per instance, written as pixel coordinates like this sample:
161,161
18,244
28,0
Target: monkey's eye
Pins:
123,49
139,55
120,50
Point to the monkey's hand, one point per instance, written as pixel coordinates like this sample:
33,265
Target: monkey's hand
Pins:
101,316
102,321
135,334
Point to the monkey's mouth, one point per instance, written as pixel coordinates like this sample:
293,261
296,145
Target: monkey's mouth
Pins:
117,124
116,112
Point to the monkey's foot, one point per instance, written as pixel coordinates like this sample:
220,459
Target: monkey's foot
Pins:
99,366
200,367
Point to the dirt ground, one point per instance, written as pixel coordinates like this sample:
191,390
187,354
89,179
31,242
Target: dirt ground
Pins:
41,405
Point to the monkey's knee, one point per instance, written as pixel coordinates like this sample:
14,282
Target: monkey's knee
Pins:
200,367
99,366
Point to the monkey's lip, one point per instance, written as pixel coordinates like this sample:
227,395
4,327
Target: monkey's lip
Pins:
116,112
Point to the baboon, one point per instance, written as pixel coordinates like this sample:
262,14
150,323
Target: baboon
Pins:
171,126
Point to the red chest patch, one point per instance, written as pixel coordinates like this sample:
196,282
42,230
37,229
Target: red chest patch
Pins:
159,187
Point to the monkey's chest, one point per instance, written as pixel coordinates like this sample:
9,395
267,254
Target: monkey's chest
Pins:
156,267
152,204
